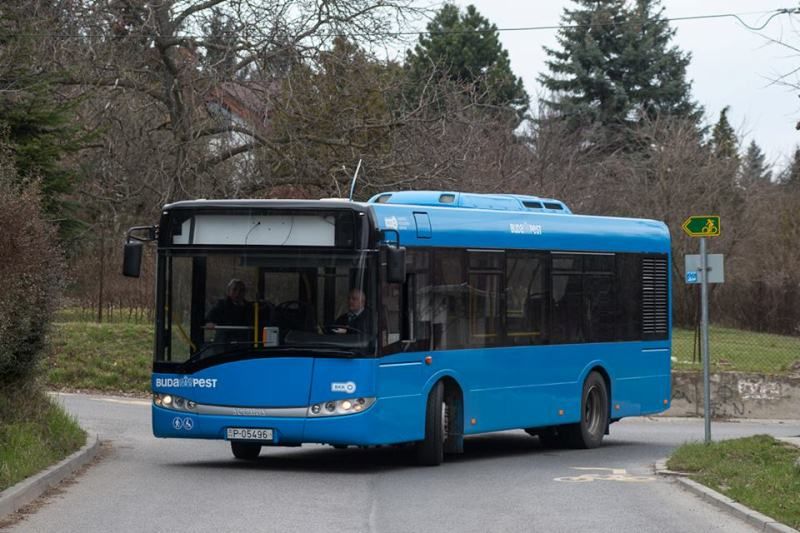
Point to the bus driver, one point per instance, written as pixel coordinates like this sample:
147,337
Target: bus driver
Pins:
357,319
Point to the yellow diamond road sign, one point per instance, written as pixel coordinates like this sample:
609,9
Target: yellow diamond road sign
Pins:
702,226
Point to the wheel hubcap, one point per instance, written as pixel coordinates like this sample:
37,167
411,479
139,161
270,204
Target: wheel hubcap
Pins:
592,415
445,421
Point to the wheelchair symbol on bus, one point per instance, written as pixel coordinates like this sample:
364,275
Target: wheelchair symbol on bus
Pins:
179,423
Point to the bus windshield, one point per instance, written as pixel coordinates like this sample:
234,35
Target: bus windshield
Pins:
220,305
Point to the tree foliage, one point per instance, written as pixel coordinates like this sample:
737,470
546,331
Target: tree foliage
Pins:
754,168
171,58
791,175
616,66
30,273
724,141
36,121
464,47
327,118
220,40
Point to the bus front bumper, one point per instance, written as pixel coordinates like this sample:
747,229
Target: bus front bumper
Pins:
385,422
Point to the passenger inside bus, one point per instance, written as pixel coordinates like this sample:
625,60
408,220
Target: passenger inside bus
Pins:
358,318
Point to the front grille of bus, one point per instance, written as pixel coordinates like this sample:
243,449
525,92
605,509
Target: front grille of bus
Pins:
655,293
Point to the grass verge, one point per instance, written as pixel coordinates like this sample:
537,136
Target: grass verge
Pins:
739,350
35,433
114,357
759,472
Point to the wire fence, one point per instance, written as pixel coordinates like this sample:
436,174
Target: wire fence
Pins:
739,350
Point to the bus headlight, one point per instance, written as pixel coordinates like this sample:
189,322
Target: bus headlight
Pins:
168,401
349,406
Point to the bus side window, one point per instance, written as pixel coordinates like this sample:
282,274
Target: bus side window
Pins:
629,297
485,282
600,305
409,302
391,300
526,298
422,293
567,299
450,299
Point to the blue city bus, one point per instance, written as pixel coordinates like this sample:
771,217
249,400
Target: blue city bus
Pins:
482,313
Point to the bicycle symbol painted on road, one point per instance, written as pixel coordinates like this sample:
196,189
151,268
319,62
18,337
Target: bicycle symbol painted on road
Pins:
615,474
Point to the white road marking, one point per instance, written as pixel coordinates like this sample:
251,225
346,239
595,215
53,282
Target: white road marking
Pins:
125,401
616,474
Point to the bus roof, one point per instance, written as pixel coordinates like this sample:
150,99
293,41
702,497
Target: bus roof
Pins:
328,203
453,219
501,202
429,224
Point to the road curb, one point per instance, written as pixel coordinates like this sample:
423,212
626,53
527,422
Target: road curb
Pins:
17,496
754,518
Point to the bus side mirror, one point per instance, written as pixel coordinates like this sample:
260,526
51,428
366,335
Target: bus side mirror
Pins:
396,264
132,259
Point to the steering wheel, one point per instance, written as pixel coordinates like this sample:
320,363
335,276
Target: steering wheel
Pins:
331,328
293,305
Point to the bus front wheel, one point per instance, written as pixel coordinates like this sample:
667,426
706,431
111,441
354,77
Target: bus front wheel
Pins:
430,452
245,450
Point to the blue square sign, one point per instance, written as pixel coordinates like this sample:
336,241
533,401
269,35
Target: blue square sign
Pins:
691,276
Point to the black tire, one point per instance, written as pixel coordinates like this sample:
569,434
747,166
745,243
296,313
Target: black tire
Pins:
430,452
245,450
589,432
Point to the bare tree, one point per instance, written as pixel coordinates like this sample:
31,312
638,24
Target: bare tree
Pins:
153,51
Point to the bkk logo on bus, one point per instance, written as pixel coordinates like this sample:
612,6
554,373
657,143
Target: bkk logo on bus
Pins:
526,228
396,223
187,382
348,387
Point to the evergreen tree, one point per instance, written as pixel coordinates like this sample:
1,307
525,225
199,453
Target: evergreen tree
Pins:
219,42
724,142
754,168
615,66
35,123
465,48
791,176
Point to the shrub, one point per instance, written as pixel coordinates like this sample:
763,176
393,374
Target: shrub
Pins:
30,276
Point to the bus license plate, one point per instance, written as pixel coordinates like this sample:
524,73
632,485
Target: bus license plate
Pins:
264,435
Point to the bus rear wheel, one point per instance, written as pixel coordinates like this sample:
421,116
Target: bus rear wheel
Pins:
588,433
430,452
245,450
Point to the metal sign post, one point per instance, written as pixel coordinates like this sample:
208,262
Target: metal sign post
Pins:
704,340
704,226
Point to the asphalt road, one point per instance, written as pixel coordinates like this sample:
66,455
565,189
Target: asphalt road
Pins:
503,482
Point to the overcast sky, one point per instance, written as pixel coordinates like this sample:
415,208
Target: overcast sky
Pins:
731,65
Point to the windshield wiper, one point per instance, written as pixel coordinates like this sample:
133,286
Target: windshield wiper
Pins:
315,349
310,349
324,347
230,348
